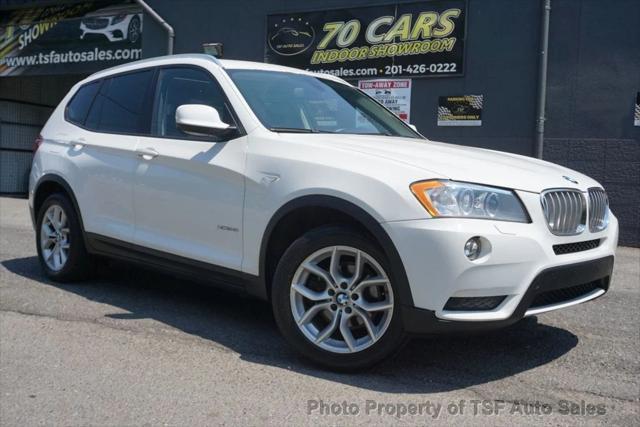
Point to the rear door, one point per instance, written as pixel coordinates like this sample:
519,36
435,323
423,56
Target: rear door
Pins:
104,152
189,191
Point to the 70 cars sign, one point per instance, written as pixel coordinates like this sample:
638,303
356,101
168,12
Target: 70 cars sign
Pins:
408,39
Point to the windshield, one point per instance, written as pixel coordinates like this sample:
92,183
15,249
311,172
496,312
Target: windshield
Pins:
290,102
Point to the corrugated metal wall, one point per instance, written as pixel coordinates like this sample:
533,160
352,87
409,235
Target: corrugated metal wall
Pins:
594,75
25,106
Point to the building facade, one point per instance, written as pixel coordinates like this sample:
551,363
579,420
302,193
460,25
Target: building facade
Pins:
489,100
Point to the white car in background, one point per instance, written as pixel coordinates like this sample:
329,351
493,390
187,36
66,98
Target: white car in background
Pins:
300,189
116,23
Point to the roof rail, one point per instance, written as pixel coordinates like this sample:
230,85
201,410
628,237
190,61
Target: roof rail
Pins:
215,59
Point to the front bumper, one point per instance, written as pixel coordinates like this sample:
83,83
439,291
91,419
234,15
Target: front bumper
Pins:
113,33
556,279
515,256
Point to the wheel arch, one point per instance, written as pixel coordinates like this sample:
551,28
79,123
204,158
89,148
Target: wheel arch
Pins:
49,184
330,210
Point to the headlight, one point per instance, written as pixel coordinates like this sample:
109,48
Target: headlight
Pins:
459,199
118,18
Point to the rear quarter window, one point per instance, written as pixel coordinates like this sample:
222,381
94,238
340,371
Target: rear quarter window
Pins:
79,105
119,107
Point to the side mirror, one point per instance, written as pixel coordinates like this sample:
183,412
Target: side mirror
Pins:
415,129
201,120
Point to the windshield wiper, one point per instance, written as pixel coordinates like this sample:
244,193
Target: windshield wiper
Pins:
291,130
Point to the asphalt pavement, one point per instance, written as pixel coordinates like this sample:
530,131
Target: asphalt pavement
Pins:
132,347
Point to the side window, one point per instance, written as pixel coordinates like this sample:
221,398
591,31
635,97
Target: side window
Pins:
119,106
179,86
79,105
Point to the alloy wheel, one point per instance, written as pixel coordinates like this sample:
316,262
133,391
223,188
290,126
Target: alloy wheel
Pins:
134,30
341,299
54,238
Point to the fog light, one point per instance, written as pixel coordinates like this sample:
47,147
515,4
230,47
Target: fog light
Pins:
472,248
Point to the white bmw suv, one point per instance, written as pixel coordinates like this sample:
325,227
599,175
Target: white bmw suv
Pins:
299,189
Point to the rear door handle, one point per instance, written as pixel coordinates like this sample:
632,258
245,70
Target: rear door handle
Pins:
147,153
78,145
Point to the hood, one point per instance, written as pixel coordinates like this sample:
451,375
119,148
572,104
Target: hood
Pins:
113,10
459,163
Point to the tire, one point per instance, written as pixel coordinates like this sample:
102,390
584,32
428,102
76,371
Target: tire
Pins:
368,345
78,264
133,30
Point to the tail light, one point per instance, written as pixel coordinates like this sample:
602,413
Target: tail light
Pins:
37,143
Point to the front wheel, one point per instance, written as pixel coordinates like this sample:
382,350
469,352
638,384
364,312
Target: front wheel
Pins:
334,301
133,30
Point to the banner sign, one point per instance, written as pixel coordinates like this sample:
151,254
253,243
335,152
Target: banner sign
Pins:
394,94
422,39
72,38
463,110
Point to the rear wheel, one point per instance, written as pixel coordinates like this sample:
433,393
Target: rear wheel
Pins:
59,241
334,300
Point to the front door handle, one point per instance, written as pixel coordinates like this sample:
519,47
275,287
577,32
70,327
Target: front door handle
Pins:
147,153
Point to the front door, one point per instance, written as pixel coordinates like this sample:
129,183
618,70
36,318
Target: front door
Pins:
189,191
